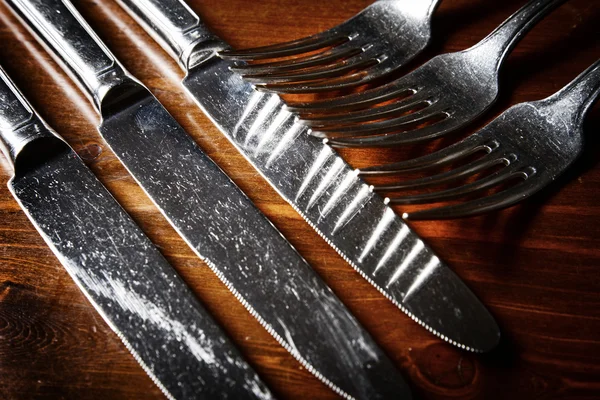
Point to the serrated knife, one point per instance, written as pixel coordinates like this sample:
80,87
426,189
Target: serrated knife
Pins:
214,217
318,183
135,290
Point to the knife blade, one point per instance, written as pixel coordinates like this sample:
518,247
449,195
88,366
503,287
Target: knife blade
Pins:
318,183
214,217
127,280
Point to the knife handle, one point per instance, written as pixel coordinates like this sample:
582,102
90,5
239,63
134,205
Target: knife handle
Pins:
77,48
178,29
19,124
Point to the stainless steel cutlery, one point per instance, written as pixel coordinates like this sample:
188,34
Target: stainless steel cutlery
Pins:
128,281
444,94
380,39
143,299
316,181
219,223
533,142
441,96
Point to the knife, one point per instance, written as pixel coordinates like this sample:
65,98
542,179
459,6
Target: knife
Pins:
318,183
135,290
214,217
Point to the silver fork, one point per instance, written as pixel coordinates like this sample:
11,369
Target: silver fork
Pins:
381,38
533,142
439,97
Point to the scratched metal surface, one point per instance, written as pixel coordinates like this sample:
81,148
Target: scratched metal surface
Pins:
342,208
131,285
536,141
321,186
221,225
248,254
116,266
535,265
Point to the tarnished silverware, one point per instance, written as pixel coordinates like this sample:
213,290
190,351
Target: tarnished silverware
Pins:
439,97
534,142
380,39
317,182
219,223
127,280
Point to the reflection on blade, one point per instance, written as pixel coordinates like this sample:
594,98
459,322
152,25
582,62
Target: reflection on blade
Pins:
342,208
131,285
116,266
248,254
212,215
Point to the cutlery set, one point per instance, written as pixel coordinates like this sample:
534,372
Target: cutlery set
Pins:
139,294
534,142
379,40
440,97
117,267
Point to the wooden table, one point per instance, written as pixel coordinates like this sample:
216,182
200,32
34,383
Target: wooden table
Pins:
536,266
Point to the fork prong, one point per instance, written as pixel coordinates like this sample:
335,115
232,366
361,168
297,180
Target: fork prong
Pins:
354,101
447,155
470,169
310,43
370,114
497,178
344,82
380,127
496,201
315,73
273,68
428,132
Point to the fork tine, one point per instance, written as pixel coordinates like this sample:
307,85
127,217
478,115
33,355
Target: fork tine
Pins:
496,201
370,114
310,43
354,101
498,177
470,169
278,67
340,83
320,72
434,130
380,127
447,155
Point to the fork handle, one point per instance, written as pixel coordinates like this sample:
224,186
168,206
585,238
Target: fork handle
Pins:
505,37
580,94
177,28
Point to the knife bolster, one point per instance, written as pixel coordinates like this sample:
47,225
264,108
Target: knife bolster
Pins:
115,88
30,145
21,129
199,52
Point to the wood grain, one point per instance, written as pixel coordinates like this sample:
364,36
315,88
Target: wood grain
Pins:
536,266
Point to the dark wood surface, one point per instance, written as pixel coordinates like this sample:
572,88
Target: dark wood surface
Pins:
536,266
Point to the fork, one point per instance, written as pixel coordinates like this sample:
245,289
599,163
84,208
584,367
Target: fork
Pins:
532,142
441,96
381,38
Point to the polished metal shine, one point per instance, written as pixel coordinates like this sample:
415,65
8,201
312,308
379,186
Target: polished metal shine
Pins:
534,142
322,187
444,94
213,216
127,280
380,39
